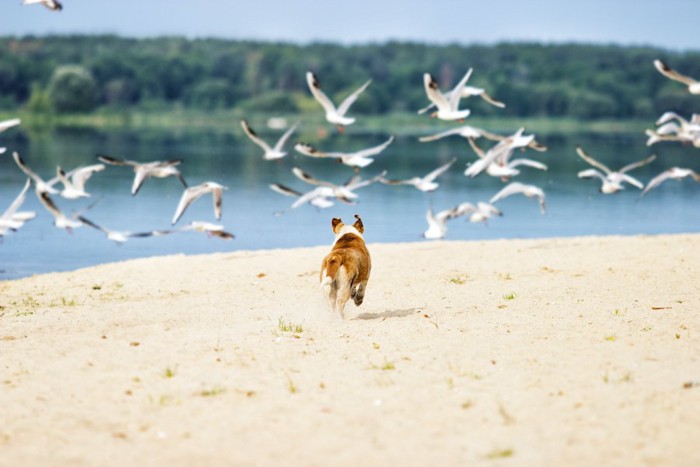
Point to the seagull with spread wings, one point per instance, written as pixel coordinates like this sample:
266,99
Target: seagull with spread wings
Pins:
271,152
144,170
191,194
515,188
334,115
447,104
356,159
612,180
674,173
426,183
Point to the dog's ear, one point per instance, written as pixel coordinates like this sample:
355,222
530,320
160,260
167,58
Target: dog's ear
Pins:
358,224
336,223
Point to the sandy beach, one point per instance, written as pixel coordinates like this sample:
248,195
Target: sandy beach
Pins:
577,351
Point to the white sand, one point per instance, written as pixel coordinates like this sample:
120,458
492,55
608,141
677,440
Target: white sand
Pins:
582,351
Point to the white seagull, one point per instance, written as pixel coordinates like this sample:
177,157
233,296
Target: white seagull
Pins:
60,220
668,72
437,223
120,237
53,5
315,197
212,230
465,131
502,166
271,153
6,124
40,185
425,183
674,173
520,188
502,150
144,170
469,91
334,115
193,193
482,212
447,107
12,219
612,180
74,187
356,159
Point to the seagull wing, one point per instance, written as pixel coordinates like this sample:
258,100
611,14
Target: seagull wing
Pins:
373,150
591,161
508,190
115,161
319,95
88,222
670,73
4,125
254,136
187,198
466,131
348,101
284,190
658,180
631,180
485,96
285,137
10,211
80,176
305,177
308,150
590,173
217,196
456,93
433,92
439,171
527,163
637,164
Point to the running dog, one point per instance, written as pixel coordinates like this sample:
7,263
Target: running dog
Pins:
345,270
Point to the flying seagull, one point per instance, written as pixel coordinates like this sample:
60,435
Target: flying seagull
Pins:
447,107
191,194
158,169
612,180
520,188
270,152
334,115
668,72
437,223
53,5
74,187
425,183
674,173
356,159
120,237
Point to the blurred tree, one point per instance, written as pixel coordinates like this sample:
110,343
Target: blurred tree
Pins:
72,89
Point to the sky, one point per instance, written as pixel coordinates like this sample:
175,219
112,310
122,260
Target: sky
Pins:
668,24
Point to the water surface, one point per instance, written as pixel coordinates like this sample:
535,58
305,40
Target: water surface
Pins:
390,213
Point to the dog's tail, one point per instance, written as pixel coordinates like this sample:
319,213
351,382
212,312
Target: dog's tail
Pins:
333,263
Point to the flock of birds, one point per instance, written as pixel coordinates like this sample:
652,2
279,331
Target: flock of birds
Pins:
497,161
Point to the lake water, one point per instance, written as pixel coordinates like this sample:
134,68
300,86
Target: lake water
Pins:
390,213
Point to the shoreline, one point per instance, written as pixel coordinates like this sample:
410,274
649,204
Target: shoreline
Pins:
415,243
573,351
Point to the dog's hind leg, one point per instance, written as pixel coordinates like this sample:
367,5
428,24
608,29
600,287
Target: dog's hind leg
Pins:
358,292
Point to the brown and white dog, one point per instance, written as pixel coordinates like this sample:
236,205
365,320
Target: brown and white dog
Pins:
345,270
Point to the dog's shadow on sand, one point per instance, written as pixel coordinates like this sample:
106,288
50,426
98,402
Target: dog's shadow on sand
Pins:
389,314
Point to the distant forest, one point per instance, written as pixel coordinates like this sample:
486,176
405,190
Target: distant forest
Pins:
68,74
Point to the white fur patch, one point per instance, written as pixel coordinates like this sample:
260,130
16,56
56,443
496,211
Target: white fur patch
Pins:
346,229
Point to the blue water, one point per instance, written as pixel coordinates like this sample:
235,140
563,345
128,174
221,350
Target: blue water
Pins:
251,211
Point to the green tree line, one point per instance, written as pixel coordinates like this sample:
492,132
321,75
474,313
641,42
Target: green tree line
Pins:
65,74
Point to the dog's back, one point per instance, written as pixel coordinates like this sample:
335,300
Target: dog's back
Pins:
345,270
